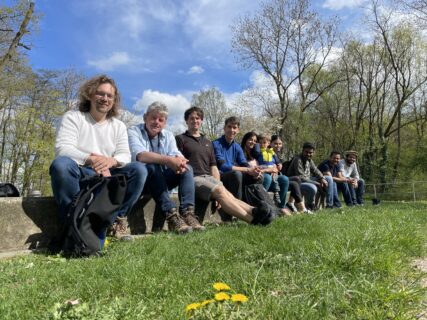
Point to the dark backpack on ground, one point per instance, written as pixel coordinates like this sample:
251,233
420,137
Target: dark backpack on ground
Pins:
255,194
8,190
91,212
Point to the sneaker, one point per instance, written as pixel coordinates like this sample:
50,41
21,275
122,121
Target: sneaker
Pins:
306,211
191,220
119,229
263,214
176,223
276,198
291,207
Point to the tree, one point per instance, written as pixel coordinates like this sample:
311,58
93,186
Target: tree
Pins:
215,109
14,24
286,39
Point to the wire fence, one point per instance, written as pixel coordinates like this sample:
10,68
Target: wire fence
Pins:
407,191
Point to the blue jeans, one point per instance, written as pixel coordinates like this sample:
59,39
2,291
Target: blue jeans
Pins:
357,194
66,174
283,183
161,180
345,189
309,191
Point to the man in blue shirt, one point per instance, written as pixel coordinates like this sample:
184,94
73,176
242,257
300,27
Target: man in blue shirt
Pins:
234,169
167,168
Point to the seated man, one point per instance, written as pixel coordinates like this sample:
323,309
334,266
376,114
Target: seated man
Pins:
167,168
235,172
354,184
198,149
303,167
92,141
332,167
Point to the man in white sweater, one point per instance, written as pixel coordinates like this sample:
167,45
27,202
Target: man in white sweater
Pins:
92,141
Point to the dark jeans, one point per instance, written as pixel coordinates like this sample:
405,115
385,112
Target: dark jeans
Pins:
160,181
66,174
283,183
352,196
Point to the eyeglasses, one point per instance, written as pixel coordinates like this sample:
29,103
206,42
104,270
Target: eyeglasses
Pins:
101,94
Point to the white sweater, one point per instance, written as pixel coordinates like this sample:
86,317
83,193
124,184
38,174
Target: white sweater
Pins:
79,135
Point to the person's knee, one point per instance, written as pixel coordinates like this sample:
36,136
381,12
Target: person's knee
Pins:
138,170
62,166
283,180
329,180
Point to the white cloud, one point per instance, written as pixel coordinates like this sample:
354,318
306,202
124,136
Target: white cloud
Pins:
116,59
195,70
340,4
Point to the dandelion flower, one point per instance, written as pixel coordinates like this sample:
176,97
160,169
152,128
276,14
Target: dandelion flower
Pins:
106,243
222,296
206,302
239,298
193,306
220,286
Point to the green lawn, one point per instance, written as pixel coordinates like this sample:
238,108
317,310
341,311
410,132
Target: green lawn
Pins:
341,264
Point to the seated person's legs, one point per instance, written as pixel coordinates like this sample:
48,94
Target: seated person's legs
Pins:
65,178
344,188
232,181
186,195
283,184
329,192
360,191
157,186
336,200
309,191
136,175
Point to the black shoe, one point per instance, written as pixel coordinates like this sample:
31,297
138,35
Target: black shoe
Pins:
263,214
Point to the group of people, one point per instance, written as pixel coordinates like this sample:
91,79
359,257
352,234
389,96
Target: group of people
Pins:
92,141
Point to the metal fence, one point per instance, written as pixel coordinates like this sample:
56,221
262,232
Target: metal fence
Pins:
407,191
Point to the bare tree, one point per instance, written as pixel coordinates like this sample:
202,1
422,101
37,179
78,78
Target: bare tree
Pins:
287,40
13,29
213,103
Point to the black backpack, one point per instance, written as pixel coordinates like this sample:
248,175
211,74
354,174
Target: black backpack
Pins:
255,194
91,212
8,190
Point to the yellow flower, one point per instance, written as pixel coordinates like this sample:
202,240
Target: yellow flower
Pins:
220,286
239,298
106,243
222,296
206,302
192,306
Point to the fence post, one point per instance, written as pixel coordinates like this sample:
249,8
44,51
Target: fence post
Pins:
413,190
375,191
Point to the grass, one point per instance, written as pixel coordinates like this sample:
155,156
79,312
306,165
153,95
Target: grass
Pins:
353,263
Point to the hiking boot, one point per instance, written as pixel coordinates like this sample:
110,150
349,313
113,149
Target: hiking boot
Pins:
176,223
191,220
263,214
119,229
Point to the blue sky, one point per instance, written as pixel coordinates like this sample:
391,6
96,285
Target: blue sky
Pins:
162,49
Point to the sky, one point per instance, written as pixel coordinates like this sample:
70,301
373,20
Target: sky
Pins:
163,50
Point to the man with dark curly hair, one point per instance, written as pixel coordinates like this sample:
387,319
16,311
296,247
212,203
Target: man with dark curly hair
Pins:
93,141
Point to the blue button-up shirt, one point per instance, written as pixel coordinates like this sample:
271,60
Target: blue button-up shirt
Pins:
139,141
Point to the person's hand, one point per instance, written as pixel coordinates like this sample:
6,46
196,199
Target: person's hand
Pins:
101,164
177,164
279,167
324,183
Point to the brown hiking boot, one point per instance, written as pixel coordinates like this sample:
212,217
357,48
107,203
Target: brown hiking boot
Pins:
176,223
191,220
119,229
